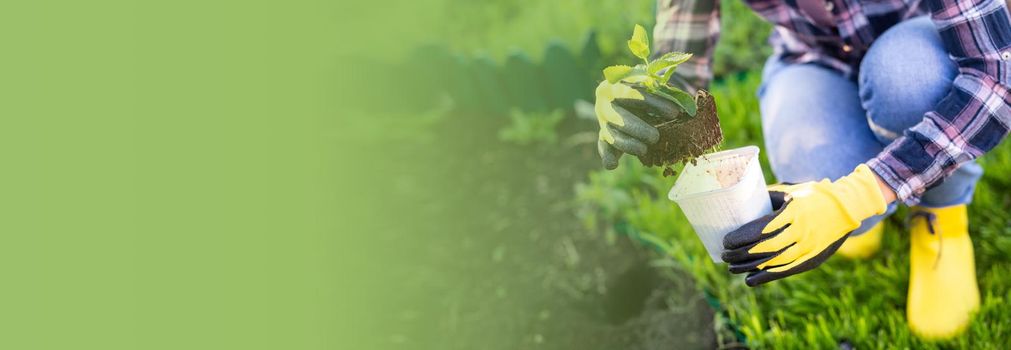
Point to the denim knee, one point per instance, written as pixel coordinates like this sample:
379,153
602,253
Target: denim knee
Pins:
813,124
904,74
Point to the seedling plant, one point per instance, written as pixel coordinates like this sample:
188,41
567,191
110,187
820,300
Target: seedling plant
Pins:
693,130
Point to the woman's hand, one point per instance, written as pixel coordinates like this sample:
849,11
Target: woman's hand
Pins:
620,110
811,221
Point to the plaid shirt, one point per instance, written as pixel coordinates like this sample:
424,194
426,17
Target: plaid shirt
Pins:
973,118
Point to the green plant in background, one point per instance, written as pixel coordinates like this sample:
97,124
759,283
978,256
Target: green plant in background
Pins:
743,40
528,128
495,55
652,74
497,27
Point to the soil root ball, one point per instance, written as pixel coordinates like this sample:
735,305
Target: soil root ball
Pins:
685,137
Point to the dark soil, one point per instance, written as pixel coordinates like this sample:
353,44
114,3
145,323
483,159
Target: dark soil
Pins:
498,259
685,137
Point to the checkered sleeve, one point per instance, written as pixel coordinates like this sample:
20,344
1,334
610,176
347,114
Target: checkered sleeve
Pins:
691,26
975,115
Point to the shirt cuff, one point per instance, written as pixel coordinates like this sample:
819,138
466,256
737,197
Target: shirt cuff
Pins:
904,190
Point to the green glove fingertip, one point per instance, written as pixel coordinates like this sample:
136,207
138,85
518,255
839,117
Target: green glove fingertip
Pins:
625,143
608,155
636,127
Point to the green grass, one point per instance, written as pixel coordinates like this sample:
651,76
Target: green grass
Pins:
860,302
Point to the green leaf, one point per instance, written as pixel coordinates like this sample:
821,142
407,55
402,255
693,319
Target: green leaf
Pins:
669,60
681,98
666,76
650,84
657,65
614,74
675,57
639,44
617,73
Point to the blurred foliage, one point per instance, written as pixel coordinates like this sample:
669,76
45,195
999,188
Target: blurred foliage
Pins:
743,39
537,56
529,128
498,27
858,302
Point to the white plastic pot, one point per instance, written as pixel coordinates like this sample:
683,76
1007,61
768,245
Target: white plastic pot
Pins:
720,193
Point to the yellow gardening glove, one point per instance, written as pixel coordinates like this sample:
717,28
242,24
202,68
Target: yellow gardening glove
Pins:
620,108
813,220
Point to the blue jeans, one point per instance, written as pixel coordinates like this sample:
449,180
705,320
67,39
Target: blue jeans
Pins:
818,124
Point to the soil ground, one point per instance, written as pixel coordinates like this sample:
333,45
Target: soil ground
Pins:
515,269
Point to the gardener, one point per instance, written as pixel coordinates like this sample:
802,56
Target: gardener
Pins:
864,104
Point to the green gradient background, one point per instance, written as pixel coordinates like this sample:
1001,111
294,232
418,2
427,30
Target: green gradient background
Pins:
194,175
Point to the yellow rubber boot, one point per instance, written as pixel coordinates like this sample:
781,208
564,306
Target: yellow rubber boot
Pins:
864,245
942,274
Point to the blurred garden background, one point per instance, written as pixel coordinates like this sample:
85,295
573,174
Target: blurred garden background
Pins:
510,235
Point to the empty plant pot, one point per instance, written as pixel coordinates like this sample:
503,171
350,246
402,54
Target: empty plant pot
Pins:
721,192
